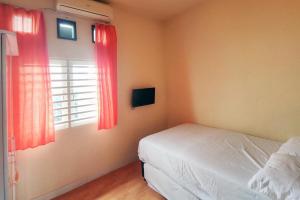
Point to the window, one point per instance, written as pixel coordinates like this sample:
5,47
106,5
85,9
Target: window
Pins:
93,33
74,92
22,24
66,29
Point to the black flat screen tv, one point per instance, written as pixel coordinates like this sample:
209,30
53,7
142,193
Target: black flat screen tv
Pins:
143,97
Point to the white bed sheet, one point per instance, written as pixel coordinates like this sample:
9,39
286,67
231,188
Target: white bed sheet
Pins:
209,163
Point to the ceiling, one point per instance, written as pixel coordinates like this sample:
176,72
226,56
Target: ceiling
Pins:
159,9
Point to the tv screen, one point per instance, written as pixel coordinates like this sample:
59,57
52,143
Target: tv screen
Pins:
143,96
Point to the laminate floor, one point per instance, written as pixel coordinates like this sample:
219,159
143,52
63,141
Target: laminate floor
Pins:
123,184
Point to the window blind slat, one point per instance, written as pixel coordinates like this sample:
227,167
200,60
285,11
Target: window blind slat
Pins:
74,91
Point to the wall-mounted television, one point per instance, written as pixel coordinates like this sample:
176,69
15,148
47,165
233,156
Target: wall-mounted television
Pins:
143,97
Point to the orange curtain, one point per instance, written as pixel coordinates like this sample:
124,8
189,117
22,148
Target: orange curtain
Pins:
30,115
106,57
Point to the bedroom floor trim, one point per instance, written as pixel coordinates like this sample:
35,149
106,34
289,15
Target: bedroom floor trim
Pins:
125,183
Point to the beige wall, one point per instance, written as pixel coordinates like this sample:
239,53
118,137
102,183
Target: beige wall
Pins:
236,65
83,152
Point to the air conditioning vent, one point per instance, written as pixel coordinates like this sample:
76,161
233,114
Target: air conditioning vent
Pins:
88,8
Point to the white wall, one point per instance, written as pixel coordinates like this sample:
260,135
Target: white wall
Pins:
82,152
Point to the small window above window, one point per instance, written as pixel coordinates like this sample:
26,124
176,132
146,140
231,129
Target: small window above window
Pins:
22,24
93,33
66,29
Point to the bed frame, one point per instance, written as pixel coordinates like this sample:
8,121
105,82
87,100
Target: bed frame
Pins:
142,169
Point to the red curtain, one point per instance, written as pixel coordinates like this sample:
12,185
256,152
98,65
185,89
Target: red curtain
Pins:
106,57
30,117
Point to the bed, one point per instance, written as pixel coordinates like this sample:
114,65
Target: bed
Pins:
191,161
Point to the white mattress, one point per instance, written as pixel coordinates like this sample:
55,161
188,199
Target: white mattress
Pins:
167,187
209,163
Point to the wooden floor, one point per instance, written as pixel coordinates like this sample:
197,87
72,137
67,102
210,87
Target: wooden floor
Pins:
123,184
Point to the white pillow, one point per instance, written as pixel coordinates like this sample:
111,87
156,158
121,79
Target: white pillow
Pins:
279,179
291,147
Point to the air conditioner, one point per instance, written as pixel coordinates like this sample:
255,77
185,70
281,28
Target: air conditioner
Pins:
87,8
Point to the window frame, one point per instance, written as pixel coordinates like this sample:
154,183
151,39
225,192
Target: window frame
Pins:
69,22
94,34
